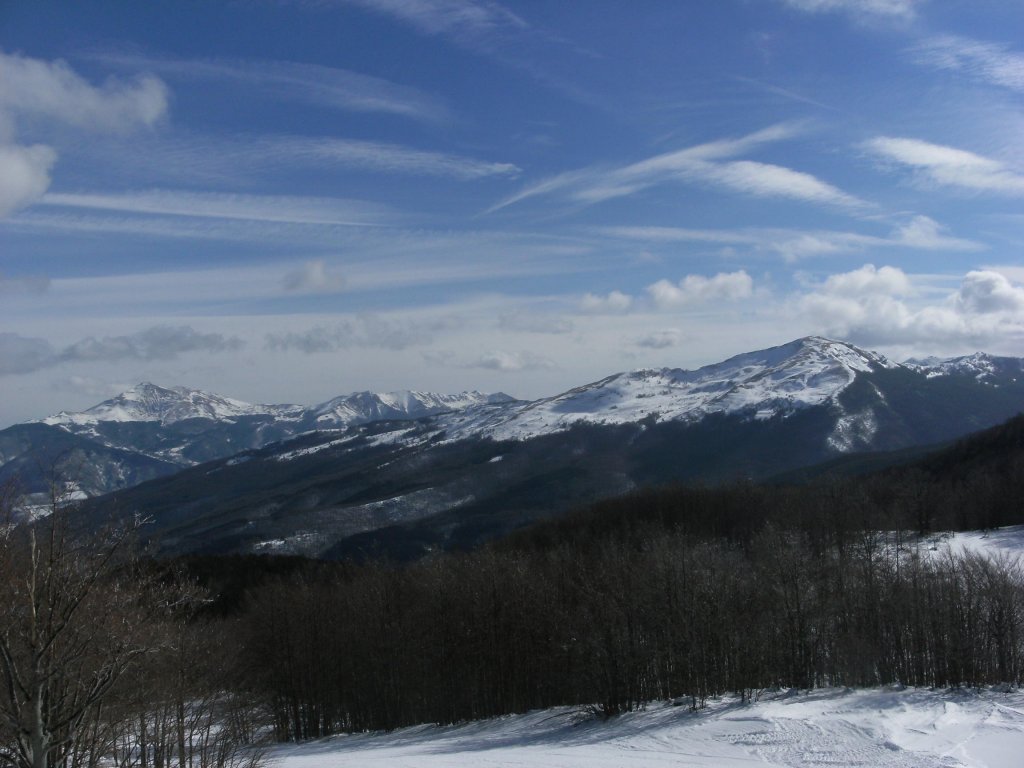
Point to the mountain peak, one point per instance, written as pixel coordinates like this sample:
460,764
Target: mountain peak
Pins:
150,402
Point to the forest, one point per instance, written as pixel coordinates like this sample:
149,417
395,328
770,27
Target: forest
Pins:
678,594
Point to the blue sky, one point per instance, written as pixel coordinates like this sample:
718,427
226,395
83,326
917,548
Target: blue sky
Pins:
285,201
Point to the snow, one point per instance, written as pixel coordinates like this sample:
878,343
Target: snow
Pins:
759,385
888,728
1007,542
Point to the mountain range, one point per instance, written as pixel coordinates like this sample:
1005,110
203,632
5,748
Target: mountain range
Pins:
407,472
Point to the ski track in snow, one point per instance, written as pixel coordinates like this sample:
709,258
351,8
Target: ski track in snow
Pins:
886,727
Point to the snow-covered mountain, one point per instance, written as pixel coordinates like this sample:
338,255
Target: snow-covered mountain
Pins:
149,431
480,465
823,396
769,383
166,405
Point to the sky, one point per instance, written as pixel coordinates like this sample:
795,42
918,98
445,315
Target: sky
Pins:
288,200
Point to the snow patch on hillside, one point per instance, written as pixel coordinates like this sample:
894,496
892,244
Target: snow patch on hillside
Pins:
886,728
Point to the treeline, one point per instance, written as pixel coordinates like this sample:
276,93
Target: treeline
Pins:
672,593
614,625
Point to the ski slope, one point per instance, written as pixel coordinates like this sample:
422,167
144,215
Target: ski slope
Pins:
887,728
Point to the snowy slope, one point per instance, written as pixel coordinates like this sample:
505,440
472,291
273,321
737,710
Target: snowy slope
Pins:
763,384
361,407
166,405
883,728
980,366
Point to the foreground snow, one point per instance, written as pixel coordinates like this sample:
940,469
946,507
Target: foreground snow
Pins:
883,727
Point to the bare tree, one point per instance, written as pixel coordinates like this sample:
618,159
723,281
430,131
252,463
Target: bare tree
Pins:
74,618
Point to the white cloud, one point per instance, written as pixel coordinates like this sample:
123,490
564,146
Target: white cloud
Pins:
466,21
275,208
995,63
667,337
614,302
371,156
766,180
311,83
920,232
313,277
867,281
701,164
24,175
53,90
948,166
900,9
986,293
511,361
695,289
873,306
21,354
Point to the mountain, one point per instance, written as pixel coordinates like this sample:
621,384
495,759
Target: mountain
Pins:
454,478
152,431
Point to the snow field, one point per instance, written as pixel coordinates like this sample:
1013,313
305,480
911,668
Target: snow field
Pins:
888,728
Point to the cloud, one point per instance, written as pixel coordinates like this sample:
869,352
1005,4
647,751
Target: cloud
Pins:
919,232
986,293
868,281
364,331
614,302
24,175
947,166
871,306
995,63
313,277
696,289
468,22
511,361
372,156
20,354
898,9
162,342
53,90
534,323
668,337
322,86
212,205
43,90
30,284
707,163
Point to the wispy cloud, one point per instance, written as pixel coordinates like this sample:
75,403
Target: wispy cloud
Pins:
20,354
707,163
896,9
995,63
274,208
362,331
376,156
919,233
940,165
697,289
322,86
534,322
469,22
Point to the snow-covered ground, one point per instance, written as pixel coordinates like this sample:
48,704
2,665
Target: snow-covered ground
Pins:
879,727
1000,542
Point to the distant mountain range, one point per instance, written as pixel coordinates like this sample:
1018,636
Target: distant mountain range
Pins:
409,471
